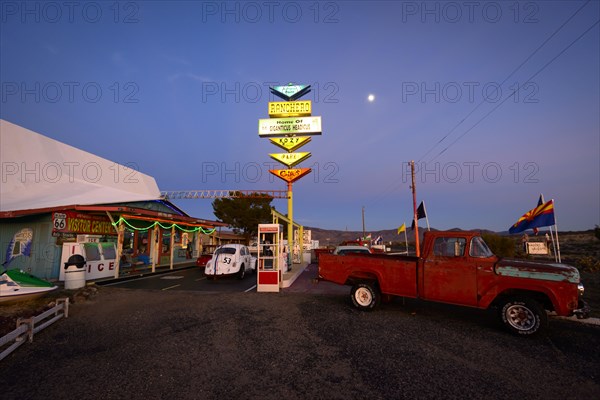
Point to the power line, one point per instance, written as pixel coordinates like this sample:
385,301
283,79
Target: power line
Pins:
504,81
519,88
397,186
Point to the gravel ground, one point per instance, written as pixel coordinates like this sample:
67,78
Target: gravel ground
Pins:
136,344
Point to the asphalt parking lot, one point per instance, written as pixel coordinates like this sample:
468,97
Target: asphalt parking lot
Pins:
296,344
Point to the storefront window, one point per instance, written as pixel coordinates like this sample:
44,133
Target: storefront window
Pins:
166,242
128,239
142,242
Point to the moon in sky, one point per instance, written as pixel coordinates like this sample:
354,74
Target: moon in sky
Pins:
371,98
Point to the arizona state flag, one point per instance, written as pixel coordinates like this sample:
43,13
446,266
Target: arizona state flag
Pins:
542,215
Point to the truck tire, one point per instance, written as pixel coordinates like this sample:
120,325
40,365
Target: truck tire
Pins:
365,296
523,316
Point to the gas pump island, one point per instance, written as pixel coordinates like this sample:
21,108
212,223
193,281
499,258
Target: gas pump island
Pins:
289,127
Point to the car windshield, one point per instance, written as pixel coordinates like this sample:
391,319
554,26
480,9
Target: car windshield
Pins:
225,250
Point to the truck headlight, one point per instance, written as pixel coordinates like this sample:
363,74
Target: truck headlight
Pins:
580,288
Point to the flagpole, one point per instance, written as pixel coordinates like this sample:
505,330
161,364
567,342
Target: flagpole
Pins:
405,238
556,231
426,216
540,202
553,244
414,193
364,235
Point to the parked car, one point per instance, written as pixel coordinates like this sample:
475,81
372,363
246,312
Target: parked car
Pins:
341,250
230,259
207,252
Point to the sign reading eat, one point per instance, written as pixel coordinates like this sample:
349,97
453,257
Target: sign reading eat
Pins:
290,175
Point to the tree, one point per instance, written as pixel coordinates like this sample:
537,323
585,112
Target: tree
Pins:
243,213
501,246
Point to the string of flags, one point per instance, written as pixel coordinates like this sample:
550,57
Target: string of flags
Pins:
541,216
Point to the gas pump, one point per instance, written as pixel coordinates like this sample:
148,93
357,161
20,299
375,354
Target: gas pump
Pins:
269,249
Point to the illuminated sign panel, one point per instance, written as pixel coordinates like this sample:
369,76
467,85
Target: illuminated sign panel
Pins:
290,91
292,143
278,127
290,175
290,159
290,108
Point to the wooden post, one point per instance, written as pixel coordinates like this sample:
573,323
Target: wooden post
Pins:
155,246
120,239
172,246
416,221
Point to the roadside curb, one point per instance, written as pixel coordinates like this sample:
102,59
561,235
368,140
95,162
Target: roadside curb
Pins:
587,321
290,277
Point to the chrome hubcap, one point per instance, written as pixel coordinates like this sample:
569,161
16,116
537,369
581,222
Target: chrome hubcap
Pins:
520,317
363,297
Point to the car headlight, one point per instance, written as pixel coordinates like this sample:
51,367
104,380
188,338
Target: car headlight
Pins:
580,288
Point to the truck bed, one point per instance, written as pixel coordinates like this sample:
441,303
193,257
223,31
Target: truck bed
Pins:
396,274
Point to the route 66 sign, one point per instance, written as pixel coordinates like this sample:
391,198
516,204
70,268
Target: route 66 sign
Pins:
59,221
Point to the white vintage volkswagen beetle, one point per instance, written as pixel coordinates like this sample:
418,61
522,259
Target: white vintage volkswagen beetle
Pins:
230,259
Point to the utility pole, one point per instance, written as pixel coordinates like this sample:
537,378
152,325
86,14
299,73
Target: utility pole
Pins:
415,220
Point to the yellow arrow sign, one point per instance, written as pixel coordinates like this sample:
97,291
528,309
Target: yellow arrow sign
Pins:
290,175
290,108
290,143
290,159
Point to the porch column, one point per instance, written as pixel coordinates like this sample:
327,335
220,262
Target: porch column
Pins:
120,239
172,246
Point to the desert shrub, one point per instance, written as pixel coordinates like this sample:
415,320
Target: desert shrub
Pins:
597,232
588,264
502,246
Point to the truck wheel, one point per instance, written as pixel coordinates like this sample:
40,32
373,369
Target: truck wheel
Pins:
523,316
365,296
242,272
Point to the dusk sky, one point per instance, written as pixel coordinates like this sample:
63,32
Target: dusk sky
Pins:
496,102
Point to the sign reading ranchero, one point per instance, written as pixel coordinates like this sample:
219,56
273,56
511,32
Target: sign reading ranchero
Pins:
289,126
290,108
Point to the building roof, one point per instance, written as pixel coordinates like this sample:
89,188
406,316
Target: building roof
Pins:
39,173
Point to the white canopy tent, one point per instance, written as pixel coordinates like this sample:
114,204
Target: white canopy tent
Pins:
39,172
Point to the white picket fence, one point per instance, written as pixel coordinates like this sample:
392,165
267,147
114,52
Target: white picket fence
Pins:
27,327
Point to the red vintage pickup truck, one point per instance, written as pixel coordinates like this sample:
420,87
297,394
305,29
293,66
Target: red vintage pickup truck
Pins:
457,267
